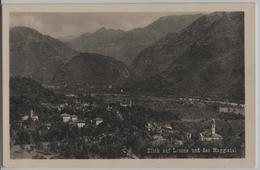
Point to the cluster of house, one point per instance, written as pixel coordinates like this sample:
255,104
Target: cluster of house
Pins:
165,134
156,127
77,105
31,116
237,109
123,100
73,119
158,140
225,107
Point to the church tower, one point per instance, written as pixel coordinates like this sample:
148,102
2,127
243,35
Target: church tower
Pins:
31,113
213,127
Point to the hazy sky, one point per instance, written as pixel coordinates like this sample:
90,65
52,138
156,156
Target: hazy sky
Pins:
73,24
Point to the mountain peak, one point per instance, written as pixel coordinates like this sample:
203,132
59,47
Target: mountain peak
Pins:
102,29
25,31
107,30
23,28
173,23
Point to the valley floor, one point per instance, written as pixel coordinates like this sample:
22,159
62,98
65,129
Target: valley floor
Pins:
121,126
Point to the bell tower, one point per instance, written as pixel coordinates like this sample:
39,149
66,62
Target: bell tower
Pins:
31,113
213,127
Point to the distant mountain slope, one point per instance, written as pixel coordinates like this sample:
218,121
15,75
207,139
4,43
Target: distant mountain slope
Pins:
35,55
206,58
124,46
89,69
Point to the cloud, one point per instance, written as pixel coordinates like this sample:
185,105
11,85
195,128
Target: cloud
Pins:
26,20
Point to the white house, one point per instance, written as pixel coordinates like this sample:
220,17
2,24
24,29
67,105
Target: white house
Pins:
65,117
33,116
149,126
74,118
178,142
25,117
86,104
47,125
167,128
109,108
153,126
70,95
126,103
98,120
81,124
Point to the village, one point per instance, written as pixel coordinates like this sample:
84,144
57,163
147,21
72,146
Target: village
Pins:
77,125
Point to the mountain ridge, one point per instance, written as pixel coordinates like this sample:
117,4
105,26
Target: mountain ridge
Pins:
199,60
35,55
125,45
90,69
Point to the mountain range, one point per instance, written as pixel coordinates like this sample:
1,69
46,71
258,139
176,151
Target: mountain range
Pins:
201,55
125,45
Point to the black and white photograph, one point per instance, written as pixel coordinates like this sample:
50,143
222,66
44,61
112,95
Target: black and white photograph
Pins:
127,85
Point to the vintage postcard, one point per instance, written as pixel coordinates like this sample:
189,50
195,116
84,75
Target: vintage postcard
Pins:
129,85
